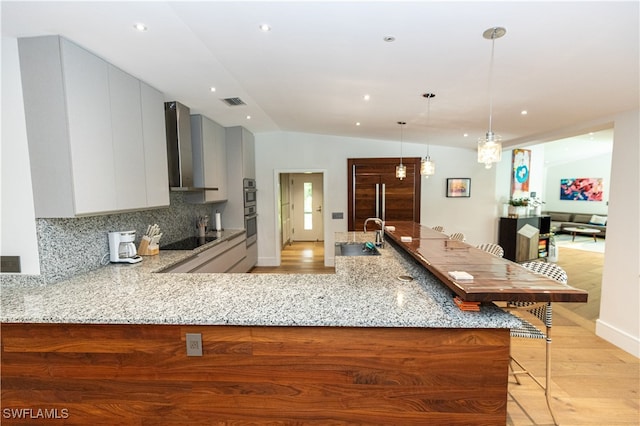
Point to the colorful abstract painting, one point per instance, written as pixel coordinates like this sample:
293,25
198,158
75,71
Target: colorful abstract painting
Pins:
581,189
521,166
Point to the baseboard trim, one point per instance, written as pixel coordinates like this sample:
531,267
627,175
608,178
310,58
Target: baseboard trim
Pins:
621,339
267,261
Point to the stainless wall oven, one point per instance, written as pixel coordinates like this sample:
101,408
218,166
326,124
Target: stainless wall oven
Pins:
250,213
251,225
250,192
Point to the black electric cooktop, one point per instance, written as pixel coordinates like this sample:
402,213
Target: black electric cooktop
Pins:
189,243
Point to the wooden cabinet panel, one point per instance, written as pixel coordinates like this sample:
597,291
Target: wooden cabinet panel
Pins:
140,374
374,190
508,237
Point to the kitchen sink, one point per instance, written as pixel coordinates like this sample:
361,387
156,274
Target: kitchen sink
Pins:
356,249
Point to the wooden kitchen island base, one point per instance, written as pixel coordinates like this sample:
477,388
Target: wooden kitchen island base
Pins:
140,374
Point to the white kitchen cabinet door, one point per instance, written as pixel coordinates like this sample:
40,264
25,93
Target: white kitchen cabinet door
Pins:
47,130
216,158
240,165
209,160
155,146
241,151
87,146
86,83
128,146
248,154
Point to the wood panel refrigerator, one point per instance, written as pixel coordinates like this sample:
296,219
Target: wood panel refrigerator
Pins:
374,191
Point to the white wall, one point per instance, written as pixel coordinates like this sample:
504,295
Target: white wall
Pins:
619,321
18,229
296,152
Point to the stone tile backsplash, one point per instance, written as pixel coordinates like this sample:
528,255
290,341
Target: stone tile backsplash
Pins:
68,247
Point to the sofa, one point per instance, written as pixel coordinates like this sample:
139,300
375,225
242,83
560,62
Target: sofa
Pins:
562,220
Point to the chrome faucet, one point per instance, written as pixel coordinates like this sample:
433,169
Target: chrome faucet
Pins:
379,232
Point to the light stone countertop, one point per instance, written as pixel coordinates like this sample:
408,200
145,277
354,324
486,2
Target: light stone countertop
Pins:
364,292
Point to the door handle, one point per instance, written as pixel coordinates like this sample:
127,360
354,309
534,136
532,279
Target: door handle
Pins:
384,203
377,200
319,209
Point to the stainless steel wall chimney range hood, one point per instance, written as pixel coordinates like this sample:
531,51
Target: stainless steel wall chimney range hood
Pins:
179,147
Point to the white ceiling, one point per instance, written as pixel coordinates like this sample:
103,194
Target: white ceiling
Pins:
564,62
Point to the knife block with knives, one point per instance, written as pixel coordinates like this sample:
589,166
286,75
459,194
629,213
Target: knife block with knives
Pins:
149,244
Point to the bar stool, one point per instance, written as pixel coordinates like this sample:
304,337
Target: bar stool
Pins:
540,312
458,236
494,249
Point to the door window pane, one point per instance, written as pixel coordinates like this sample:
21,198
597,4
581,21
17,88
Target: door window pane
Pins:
308,206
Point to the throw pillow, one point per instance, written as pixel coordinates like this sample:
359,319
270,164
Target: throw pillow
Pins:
598,220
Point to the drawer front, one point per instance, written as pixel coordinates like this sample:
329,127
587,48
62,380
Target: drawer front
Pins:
193,263
224,261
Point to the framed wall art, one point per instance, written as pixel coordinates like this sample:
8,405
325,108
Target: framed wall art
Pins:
458,187
581,189
520,168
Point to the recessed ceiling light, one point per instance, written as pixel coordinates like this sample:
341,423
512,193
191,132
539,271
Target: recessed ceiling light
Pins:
140,27
466,135
524,112
366,97
389,39
213,89
358,123
265,28
248,117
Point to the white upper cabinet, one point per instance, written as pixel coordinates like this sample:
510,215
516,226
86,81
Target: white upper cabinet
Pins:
128,146
85,131
241,145
209,160
155,146
241,164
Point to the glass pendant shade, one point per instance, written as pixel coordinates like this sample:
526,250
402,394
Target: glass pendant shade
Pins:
489,150
427,167
401,169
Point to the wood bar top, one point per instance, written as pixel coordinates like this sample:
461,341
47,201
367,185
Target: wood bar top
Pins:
494,278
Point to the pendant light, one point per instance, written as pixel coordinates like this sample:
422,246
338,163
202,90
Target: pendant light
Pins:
427,166
401,169
490,148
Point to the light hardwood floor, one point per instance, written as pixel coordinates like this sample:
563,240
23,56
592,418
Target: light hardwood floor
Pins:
584,269
300,257
592,381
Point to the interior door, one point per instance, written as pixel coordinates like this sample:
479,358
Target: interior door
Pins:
374,191
307,194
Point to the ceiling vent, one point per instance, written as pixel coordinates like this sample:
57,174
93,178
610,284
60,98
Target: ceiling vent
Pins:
233,101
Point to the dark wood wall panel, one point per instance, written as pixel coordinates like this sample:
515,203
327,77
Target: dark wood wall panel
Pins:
402,196
140,374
